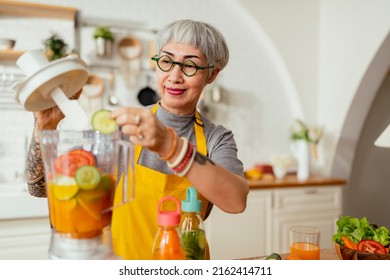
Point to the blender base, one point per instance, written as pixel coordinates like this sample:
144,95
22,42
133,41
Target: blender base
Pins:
63,247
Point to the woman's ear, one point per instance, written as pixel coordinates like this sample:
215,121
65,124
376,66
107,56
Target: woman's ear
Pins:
213,75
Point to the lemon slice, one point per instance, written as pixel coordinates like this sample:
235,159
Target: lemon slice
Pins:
65,192
102,122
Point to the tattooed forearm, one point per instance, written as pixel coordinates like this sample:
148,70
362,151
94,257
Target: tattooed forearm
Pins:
201,159
34,170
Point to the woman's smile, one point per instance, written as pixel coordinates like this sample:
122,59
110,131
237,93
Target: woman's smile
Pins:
175,91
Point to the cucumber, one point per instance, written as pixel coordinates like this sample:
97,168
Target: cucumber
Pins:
274,256
87,177
101,122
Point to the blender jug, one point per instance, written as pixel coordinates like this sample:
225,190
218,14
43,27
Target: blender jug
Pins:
81,165
81,172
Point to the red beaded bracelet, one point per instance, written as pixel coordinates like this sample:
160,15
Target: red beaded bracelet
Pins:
189,164
185,160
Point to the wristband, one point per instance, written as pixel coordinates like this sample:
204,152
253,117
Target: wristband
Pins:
174,145
189,164
179,168
181,155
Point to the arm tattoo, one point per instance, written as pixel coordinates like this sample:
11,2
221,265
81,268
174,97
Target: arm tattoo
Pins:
202,160
35,171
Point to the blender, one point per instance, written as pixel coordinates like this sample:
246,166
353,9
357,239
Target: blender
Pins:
82,166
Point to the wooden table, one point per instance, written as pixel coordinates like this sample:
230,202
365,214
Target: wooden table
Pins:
325,254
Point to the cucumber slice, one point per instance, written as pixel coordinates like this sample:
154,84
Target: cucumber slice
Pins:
102,123
87,177
274,256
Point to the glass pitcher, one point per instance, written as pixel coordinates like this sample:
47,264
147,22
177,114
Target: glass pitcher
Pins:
81,171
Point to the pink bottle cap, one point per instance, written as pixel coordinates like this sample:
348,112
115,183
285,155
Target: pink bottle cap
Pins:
168,218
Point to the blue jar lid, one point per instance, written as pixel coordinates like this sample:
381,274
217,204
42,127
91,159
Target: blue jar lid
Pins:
191,203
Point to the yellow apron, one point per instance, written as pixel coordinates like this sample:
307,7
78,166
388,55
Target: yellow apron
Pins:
134,225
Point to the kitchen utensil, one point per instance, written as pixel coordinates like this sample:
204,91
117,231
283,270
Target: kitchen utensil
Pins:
147,96
51,83
91,97
130,50
112,99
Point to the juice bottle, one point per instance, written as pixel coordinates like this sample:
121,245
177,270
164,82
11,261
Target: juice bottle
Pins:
192,228
168,244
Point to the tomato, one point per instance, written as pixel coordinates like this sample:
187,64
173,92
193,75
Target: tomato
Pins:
371,246
67,164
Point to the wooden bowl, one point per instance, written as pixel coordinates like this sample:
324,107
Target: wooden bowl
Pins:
348,254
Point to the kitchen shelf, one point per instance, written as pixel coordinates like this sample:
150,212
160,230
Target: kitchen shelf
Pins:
10,55
25,9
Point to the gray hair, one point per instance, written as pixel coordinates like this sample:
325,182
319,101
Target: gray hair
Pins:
200,35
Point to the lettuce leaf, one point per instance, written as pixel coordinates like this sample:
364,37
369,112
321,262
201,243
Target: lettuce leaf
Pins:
358,230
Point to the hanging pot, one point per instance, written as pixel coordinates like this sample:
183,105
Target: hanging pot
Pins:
130,50
147,96
91,97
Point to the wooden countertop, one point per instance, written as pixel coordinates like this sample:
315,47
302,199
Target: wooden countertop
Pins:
292,181
325,254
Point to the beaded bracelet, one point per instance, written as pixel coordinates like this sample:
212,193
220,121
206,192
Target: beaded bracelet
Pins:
174,144
182,154
179,168
189,164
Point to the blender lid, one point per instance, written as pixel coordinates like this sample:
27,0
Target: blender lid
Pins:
69,74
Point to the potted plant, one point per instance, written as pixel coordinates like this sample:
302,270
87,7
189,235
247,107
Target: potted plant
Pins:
104,39
55,47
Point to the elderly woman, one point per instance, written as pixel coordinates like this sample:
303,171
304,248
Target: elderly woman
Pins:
176,147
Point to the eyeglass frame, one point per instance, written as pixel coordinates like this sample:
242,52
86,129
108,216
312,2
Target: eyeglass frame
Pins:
181,64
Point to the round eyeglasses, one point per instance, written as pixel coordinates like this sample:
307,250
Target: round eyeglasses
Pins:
188,67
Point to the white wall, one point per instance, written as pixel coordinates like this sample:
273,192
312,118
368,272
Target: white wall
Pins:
293,27
339,40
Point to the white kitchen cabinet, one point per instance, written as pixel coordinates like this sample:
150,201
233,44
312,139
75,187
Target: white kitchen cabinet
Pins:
312,206
24,239
233,236
263,227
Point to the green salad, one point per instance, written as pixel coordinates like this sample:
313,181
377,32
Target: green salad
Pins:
360,229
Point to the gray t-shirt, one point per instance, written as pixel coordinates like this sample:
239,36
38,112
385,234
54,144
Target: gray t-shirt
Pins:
221,146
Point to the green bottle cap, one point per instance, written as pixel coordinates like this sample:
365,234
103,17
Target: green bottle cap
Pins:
191,203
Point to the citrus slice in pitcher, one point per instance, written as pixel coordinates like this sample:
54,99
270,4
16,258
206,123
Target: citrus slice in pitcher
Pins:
102,122
65,192
87,177
65,188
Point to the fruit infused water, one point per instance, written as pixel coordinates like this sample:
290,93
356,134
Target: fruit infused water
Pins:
168,243
80,209
81,169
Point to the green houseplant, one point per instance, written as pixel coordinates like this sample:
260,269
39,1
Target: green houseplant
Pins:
104,39
103,32
55,47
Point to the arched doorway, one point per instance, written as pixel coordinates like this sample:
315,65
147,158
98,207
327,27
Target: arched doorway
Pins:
366,167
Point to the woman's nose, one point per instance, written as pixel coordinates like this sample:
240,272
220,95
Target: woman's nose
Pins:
175,74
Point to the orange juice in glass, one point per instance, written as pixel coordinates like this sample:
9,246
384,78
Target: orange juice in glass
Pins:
305,242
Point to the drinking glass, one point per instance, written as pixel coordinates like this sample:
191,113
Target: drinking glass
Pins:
305,242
